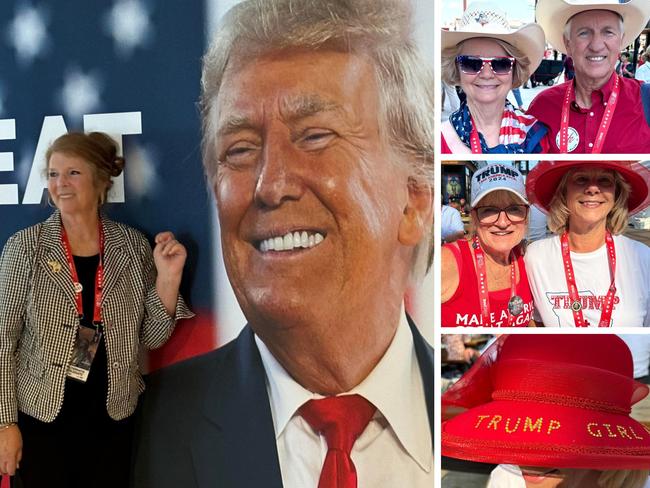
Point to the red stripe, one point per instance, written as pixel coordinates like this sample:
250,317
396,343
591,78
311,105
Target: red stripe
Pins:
191,337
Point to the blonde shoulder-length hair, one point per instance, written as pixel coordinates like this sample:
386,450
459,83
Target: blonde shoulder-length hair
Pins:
558,215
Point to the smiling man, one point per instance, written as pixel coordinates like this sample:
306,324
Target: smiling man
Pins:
318,129
599,111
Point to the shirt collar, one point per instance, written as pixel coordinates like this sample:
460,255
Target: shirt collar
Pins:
606,89
402,403
598,96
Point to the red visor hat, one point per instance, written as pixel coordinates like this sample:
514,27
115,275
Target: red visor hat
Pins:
544,178
556,401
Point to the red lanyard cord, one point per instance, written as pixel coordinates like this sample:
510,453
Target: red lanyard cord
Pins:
99,277
484,299
604,123
574,297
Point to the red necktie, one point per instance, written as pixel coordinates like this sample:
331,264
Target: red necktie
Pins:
341,420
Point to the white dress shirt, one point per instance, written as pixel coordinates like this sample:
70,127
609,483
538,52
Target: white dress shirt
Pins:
395,450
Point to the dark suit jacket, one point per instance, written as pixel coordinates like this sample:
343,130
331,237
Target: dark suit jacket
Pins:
206,422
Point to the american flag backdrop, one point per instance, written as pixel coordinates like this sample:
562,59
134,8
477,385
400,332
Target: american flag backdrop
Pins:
130,68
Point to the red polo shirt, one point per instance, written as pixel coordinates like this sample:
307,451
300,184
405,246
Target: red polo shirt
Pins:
628,131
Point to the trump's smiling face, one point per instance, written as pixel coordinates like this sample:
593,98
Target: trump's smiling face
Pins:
309,193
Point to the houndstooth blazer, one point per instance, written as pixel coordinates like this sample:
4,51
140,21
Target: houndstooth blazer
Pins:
38,318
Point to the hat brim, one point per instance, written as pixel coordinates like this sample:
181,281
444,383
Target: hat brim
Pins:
543,180
529,39
555,437
483,194
553,15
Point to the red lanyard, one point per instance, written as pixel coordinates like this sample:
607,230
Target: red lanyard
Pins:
99,276
483,296
474,140
604,123
574,297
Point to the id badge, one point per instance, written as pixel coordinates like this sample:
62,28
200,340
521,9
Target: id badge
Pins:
85,348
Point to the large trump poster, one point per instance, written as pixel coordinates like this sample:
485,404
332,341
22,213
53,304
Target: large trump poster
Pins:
130,68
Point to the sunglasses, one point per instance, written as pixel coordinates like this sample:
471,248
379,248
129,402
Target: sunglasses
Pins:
473,65
490,215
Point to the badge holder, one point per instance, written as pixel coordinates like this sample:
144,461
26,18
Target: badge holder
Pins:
83,354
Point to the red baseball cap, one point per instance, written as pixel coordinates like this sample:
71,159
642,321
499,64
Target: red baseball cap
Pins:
557,401
544,178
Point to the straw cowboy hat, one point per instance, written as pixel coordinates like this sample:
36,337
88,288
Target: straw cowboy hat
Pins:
556,401
543,180
486,20
553,15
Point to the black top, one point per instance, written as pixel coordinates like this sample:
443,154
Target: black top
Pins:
88,398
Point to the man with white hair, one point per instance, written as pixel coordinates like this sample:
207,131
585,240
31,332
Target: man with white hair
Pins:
318,131
600,111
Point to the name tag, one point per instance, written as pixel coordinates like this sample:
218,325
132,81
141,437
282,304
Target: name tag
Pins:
85,348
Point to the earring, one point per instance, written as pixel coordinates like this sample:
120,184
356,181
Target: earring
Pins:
49,200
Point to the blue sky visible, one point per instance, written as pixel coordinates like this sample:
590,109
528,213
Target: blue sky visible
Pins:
515,9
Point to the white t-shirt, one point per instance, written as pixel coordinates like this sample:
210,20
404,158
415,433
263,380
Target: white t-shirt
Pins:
548,283
536,224
639,345
509,476
506,476
643,72
451,222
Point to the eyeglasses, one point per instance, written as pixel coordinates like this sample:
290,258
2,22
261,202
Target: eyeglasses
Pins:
490,215
473,65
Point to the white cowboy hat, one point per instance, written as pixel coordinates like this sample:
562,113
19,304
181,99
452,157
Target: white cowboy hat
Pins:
482,19
553,15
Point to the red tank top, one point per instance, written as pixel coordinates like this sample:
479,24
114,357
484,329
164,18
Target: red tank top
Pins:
463,308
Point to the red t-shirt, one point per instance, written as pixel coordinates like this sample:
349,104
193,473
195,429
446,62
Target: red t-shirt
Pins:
628,131
464,309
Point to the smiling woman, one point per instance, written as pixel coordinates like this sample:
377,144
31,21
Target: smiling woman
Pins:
486,283
589,274
488,59
79,294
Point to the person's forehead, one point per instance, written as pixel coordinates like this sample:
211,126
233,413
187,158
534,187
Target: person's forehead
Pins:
482,46
589,17
303,82
591,171
307,60
64,158
499,197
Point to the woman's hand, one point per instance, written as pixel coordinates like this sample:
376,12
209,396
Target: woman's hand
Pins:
11,449
169,256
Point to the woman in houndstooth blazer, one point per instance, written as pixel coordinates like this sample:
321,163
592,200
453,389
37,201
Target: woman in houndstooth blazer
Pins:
79,279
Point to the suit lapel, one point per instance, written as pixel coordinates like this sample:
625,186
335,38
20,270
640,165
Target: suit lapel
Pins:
424,354
234,442
116,257
52,259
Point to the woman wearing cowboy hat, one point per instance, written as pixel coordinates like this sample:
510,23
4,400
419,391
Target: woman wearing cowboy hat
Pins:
589,274
484,280
488,59
570,426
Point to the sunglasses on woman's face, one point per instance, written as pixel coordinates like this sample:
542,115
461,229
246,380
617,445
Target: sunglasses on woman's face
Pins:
473,65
